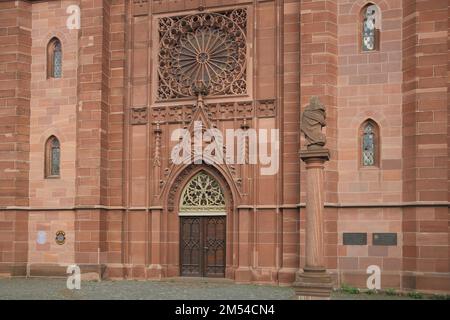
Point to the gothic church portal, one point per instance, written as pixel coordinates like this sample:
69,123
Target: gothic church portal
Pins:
87,114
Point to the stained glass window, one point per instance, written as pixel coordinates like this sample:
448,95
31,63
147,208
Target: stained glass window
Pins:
52,157
54,59
370,27
368,145
57,60
55,157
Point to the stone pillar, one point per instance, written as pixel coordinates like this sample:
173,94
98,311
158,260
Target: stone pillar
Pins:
313,282
155,269
244,271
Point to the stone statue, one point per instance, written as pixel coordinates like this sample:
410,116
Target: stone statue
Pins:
313,119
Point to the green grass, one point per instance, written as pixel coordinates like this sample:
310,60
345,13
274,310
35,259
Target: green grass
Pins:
349,289
390,292
415,295
371,291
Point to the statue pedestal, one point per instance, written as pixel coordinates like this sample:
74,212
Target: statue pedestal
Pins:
313,282
313,285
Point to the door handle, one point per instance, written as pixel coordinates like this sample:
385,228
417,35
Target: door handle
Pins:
206,248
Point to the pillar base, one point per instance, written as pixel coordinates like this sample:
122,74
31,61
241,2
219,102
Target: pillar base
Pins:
313,284
243,275
155,271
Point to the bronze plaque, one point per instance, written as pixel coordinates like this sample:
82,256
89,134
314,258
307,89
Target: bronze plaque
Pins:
355,238
384,239
60,237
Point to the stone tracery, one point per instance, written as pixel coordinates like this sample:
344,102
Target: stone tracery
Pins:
206,48
202,193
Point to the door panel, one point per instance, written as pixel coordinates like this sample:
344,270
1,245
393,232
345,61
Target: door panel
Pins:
191,246
214,246
202,246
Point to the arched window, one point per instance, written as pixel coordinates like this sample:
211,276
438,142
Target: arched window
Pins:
371,22
369,144
52,158
202,196
54,59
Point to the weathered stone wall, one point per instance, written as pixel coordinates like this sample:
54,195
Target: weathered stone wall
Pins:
15,74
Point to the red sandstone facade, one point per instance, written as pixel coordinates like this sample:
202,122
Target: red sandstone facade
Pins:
119,208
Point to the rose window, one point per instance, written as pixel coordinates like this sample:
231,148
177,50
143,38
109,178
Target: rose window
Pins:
207,50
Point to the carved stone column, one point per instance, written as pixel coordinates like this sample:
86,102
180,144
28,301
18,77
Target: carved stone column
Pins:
313,282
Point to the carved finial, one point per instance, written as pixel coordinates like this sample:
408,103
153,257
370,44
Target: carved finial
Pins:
158,128
200,88
200,100
201,6
244,125
313,119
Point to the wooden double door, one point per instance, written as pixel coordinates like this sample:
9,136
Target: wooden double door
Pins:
202,246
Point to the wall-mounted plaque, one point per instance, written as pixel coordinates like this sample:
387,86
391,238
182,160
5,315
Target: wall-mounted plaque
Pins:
384,239
354,238
60,237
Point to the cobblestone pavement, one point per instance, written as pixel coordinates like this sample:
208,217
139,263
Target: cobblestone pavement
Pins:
51,289
39,288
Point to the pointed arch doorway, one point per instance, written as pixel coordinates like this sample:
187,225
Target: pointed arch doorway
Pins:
202,214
